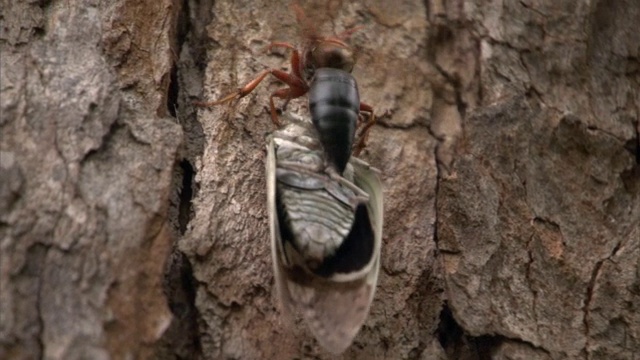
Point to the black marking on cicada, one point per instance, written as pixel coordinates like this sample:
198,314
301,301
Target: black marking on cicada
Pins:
326,234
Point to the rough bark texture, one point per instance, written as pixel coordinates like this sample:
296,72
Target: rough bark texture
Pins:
539,219
133,225
87,150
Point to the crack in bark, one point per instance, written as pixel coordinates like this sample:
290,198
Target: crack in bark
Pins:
638,141
451,336
34,266
458,344
173,91
526,343
450,38
589,295
107,140
182,339
531,8
595,274
529,278
457,92
40,306
186,195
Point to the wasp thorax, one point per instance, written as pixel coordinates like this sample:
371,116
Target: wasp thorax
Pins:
332,54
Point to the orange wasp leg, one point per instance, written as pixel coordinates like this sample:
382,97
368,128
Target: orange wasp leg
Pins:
285,93
296,90
363,134
242,92
347,33
297,86
295,56
280,44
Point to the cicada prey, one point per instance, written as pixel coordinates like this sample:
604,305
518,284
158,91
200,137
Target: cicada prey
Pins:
326,234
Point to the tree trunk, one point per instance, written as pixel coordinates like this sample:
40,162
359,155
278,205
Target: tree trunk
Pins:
134,225
87,152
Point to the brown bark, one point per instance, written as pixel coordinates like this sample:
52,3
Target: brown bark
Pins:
508,141
87,151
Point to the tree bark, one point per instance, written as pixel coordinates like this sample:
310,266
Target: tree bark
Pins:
87,150
133,224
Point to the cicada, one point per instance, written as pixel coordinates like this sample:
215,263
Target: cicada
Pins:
326,234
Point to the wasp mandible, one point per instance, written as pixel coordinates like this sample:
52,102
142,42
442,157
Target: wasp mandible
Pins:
323,69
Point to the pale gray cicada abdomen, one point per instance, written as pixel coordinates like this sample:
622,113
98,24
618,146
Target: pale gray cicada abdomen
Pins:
326,234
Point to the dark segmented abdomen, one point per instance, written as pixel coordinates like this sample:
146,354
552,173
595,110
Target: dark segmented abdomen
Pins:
334,103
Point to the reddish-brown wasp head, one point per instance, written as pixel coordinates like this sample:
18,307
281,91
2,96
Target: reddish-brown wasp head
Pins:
323,52
330,53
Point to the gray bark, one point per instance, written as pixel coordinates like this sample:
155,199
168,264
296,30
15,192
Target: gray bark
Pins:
133,224
86,155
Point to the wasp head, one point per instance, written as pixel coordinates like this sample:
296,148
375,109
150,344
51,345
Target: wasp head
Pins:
329,53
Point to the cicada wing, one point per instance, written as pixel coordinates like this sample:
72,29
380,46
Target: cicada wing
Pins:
335,310
367,179
277,252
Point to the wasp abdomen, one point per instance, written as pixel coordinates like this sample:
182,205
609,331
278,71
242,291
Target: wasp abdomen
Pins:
334,103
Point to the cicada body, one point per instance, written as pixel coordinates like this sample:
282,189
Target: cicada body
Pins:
326,234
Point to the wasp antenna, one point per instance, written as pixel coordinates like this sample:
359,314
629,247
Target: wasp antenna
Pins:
307,28
347,33
297,9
